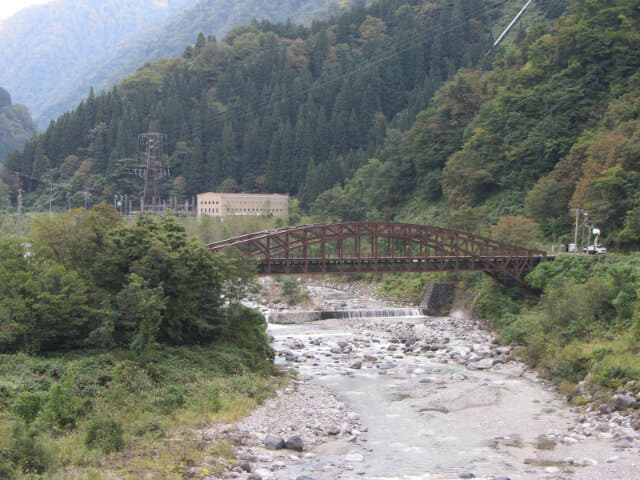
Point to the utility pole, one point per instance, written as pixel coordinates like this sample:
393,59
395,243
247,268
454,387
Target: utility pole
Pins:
19,205
575,240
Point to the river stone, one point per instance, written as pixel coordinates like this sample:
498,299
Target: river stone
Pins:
333,430
625,442
483,364
244,465
294,443
274,443
304,477
622,402
354,457
261,473
466,475
356,365
604,409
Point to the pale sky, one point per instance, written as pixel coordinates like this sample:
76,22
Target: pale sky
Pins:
9,7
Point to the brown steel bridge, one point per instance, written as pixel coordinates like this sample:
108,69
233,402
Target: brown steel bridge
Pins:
369,247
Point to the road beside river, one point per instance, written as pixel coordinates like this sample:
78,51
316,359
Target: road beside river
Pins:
417,397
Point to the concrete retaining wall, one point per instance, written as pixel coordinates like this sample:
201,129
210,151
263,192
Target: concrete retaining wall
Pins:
294,317
437,298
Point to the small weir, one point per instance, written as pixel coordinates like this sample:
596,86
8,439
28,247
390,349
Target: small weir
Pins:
372,313
315,315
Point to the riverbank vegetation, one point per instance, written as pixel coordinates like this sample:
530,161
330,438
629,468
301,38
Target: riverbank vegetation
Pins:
585,325
114,339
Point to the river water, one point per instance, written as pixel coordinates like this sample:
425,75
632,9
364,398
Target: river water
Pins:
435,398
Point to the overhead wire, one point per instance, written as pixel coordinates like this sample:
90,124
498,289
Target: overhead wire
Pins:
395,49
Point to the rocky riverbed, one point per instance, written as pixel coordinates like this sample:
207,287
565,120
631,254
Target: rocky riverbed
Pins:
415,397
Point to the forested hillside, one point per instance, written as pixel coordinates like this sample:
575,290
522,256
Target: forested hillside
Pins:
168,40
553,125
393,111
268,103
16,126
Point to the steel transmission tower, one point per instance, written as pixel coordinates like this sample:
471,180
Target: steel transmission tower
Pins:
152,151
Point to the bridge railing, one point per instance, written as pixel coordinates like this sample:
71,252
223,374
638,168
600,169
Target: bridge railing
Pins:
381,244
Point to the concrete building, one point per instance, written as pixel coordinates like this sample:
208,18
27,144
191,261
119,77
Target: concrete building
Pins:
225,204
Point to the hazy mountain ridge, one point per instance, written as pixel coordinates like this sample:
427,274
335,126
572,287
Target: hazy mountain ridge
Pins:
212,17
16,125
47,48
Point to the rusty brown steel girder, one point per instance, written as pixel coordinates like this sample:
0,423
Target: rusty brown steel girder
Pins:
356,247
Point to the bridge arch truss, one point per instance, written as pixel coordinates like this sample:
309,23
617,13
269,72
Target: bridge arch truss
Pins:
368,247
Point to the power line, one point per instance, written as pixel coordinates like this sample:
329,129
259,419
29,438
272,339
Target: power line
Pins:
396,49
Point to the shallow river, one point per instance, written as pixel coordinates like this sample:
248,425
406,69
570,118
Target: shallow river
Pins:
436,399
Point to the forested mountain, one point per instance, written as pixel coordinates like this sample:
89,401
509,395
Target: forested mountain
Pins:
16,125
268,102
392,111
553,126
48,49
169,39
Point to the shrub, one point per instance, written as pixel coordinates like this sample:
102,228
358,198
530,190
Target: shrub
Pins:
131,376
105,434
27,406
26,452
171,399
247,328
62,408
153,429
213,398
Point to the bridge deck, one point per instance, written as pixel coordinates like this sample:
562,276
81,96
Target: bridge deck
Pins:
363,247
283,266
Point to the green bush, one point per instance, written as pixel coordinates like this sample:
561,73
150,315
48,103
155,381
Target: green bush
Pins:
214,400
63,408
169,400
131,376
247,328
153,429
105,434
27,452
27,406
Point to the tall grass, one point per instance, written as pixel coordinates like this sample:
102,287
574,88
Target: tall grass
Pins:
94,415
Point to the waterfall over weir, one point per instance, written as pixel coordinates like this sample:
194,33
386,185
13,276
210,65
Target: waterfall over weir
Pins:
387,312
315,315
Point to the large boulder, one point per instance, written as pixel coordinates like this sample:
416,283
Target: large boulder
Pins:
274,443
622,401
294,443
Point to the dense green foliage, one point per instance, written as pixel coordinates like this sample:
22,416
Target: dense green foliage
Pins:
276,107
60,414
112,335
586,323
16,126
552,126
86,279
